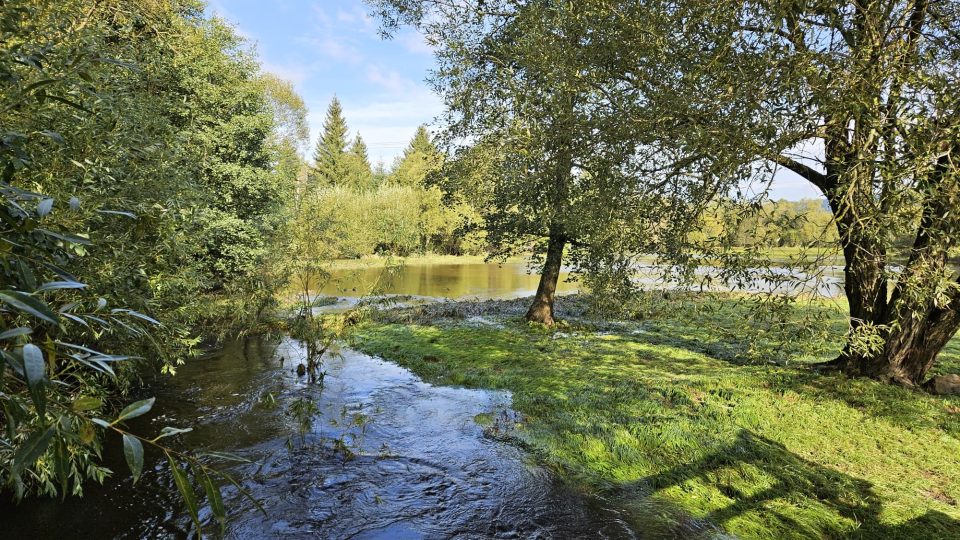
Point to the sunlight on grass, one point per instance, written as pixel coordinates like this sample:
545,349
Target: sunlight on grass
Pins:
669,417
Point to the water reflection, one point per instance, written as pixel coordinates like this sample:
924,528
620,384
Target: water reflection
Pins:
513,280
480,280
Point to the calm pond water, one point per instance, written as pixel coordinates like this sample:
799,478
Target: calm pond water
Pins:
388,456
512,280
473,280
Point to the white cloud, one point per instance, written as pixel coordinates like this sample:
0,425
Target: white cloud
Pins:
414,42
392,81
296,74
335,49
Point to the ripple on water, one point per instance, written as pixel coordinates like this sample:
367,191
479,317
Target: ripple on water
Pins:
412,461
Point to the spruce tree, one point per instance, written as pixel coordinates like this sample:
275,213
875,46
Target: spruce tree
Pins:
421,143
360,175
420,158
331,162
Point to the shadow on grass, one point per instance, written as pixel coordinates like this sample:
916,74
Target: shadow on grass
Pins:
906,408
849,503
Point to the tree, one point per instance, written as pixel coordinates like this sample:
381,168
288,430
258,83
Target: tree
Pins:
857,98
513,83
136,178
420,159
331,162
361,174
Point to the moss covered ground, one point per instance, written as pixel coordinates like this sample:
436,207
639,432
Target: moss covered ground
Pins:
690,415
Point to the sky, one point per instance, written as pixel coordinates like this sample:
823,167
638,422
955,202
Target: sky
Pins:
333,47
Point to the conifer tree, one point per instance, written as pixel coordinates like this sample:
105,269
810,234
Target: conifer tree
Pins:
420,158
421,142
331,162
360,175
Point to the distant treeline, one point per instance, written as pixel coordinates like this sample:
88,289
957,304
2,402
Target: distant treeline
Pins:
359,209
773,224
429,202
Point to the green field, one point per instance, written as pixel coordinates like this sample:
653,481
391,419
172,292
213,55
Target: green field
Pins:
683,425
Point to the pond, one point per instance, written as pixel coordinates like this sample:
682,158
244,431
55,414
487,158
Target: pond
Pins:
513,280
387,456
446,280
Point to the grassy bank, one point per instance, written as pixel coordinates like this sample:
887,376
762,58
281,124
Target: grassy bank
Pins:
667,417
782,254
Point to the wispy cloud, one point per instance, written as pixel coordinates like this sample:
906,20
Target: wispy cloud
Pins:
414,42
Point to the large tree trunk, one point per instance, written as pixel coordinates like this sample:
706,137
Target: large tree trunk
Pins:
912,324
542,309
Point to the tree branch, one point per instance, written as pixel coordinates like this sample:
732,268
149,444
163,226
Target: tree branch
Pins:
808,173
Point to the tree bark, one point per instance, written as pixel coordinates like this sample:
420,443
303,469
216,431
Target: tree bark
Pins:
542,309
912,326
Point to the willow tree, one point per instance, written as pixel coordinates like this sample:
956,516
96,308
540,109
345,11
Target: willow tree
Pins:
860,99
560,176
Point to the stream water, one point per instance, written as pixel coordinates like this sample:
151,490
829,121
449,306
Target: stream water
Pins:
388,456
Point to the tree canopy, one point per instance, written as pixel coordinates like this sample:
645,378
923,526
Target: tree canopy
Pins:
690,104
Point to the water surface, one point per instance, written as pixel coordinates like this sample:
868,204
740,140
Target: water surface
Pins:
388,456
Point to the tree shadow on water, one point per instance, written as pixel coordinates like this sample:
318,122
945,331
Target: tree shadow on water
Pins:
784,495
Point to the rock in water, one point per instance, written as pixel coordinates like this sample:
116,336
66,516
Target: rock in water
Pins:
944,385
301,370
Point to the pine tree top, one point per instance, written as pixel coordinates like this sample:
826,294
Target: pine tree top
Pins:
330,155
421,143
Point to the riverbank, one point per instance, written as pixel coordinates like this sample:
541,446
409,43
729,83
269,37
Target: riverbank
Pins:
826,256
671,411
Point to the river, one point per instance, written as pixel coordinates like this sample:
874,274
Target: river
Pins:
512,280
388,456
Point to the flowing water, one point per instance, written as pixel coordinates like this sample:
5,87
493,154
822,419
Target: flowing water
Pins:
388,456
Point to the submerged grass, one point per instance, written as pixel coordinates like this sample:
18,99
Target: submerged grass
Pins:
676,425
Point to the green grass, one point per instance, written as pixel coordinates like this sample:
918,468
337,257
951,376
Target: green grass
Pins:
672,423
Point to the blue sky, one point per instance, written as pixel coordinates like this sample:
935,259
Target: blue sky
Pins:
327,47
332,47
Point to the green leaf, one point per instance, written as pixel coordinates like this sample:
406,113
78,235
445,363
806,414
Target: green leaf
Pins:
135,409
61,465
86,403
138,315
16,332
100,422
31,449
133,452
45,206
66,237
55,285
186,491
34,370
168,431
213,496
32,305
227,456
130,215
